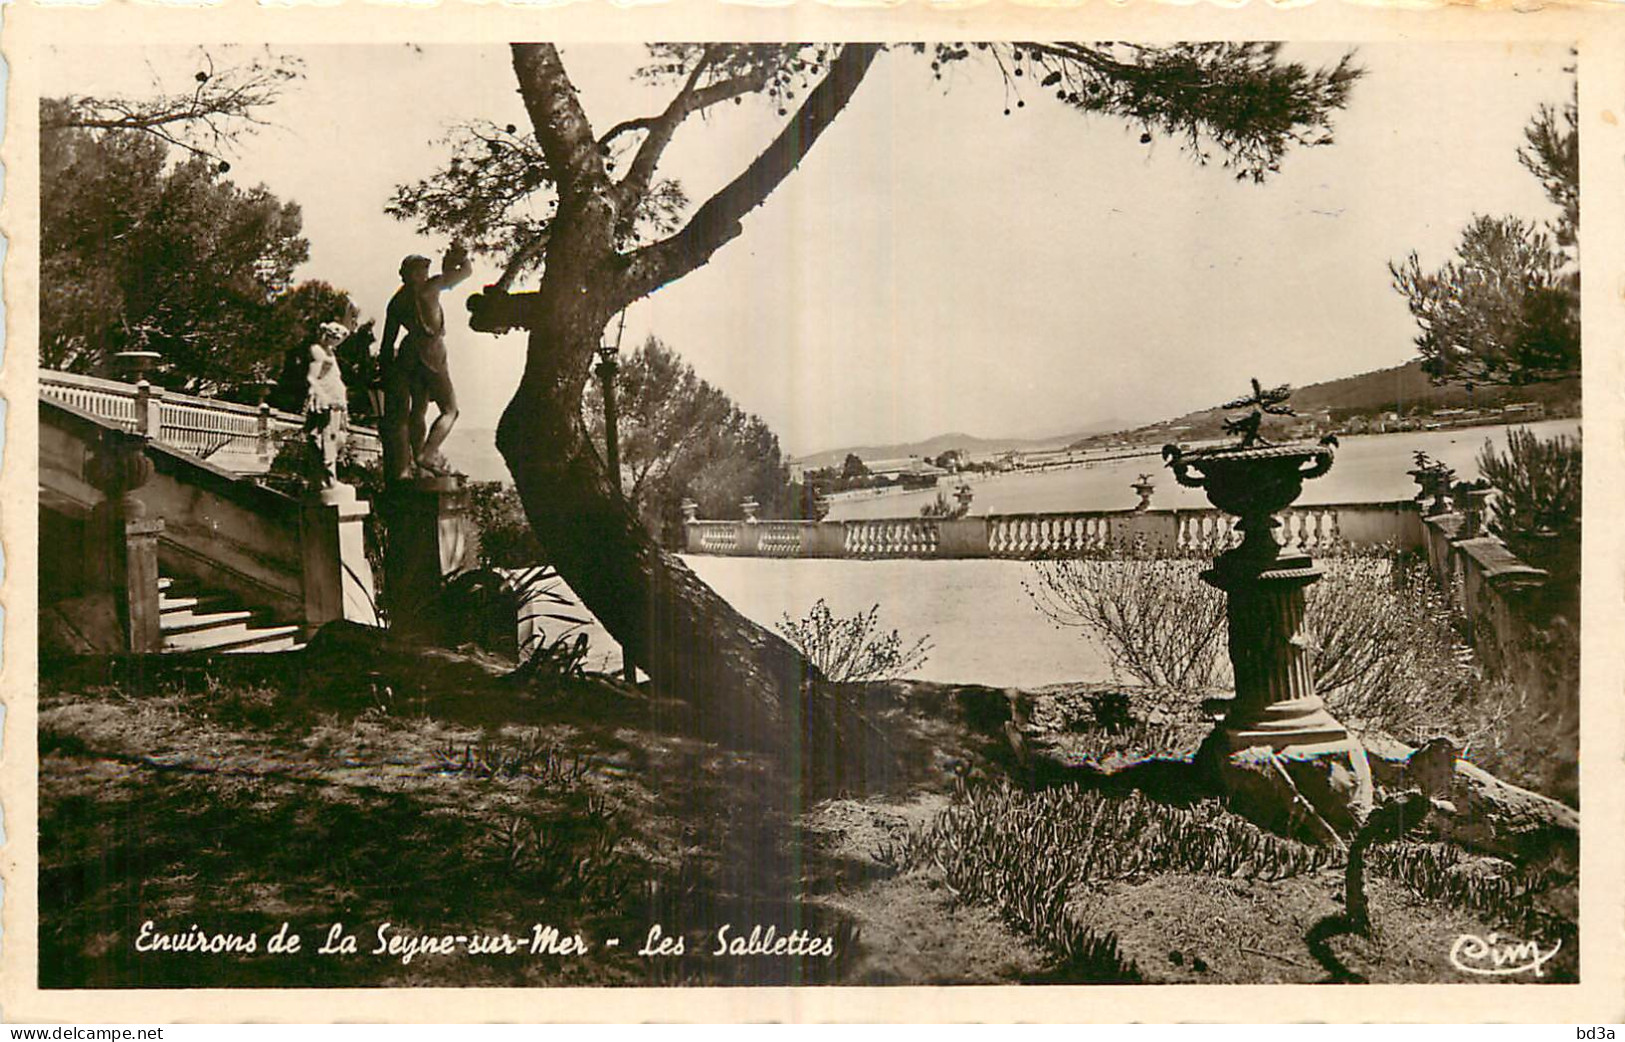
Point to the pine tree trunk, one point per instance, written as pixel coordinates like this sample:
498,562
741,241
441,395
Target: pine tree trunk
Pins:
747,684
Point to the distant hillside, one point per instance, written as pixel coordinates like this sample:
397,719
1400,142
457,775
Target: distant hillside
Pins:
1399,389
965,443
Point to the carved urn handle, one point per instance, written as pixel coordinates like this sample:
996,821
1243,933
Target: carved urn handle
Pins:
1323,460
1174,456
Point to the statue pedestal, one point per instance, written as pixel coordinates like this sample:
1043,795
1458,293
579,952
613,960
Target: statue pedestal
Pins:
338,578
430,537
1278,748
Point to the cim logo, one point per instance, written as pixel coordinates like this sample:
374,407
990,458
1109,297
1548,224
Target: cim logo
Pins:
1498,956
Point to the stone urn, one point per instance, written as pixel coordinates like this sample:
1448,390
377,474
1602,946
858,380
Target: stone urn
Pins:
1144,489
117,467
1277,727
135,363
1254,484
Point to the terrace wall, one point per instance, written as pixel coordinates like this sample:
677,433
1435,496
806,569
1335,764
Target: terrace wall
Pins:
1025,536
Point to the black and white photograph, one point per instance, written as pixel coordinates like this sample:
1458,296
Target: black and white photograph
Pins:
1044,512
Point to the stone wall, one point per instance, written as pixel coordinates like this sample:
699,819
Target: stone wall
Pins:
1507,601
1021,536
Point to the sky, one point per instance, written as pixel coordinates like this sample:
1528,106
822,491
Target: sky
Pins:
935,265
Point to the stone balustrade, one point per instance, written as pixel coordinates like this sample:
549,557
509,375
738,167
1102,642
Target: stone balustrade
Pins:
241,438
892,537
1200,532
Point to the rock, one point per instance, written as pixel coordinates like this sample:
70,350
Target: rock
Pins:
1491,816
1432,768
1324,790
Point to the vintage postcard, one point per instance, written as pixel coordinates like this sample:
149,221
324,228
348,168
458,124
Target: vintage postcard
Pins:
713,511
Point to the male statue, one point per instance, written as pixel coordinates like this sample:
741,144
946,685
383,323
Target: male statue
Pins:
418,374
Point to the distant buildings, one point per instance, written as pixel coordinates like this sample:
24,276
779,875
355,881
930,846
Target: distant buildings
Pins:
913,466
1523,412
1442,419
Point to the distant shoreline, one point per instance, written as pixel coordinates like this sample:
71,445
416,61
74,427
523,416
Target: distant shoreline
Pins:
1085,457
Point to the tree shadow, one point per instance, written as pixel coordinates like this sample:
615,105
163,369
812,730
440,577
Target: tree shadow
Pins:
1177,781
1319,941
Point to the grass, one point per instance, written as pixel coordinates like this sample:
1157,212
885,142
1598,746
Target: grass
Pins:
1057,863
1031,855
428,792
433,796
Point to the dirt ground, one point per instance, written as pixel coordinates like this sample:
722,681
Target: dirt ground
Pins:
423,795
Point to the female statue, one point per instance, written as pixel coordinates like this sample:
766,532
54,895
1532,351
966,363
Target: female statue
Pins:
327,411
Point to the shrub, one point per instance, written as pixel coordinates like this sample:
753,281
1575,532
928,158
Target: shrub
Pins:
1159,622
1537,484
941,508
1389,649
1390,644
506,539
852,650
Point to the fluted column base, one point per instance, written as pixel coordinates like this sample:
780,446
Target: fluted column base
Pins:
1296,722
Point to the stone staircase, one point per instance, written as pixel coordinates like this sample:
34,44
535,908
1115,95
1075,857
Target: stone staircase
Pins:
194,619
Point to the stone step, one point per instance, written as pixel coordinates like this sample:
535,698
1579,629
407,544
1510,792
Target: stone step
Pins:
235,638
180,622
192,618
269,639
171,604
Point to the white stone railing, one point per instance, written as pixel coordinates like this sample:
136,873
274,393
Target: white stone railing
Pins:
892,537
1316,528
241,438
714,537
779,538
1037,535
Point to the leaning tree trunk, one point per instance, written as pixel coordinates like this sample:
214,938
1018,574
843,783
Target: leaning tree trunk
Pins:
747,684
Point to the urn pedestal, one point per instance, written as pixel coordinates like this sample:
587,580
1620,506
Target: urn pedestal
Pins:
1280,755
